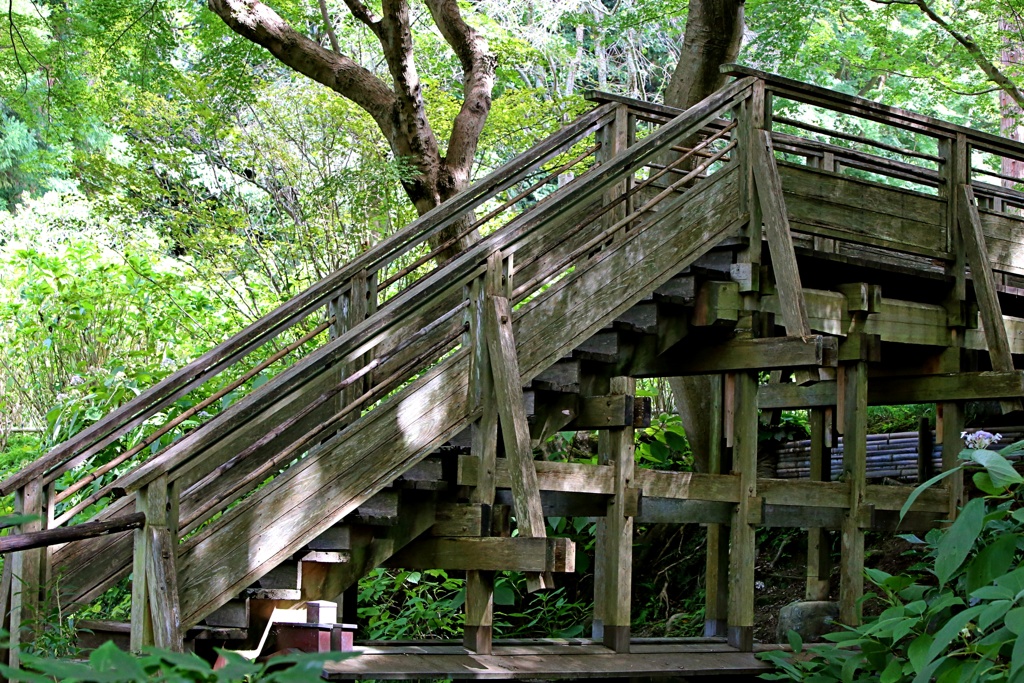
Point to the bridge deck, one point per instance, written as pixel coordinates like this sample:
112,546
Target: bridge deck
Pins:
548,660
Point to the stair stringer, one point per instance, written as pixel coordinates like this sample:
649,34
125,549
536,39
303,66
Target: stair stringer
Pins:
316,493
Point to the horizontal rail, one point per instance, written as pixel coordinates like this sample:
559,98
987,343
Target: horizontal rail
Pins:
880,113
860,139
79,532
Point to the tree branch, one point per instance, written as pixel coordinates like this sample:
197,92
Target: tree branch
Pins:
255,21
363,14
977,54
331,35
478,65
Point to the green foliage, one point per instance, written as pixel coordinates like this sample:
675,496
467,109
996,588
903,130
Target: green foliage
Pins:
408,604
663,445
962,619
902,418
107,664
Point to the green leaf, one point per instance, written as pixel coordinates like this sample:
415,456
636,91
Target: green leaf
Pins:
676,442
950,630
893,672
1017,658
985,484
923,487
917,653
1015,620
993,561
504,595
998,467
795,641
993,612
958,540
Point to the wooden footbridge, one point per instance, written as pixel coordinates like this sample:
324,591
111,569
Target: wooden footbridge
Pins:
638,241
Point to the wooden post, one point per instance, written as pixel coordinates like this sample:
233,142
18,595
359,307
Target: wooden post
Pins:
504,361
746,270
614,141
615,448
819,565
348,310
716,588
854,416
949,424
925,448
156,615
742,546
478,631
27,570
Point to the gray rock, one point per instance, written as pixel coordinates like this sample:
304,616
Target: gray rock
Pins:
811,619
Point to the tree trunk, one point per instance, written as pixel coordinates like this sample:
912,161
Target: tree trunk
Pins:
399,109
714,31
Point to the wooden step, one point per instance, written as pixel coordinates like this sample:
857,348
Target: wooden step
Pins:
642,318
603,347
563,376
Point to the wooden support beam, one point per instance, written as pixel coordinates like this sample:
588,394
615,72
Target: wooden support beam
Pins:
949,425
27,570
520,554
961,386
854,416
740,355
742,549
479,625
984,285
716,594
819,565
77,532
780,240
717,305
611,412
613,569
501,347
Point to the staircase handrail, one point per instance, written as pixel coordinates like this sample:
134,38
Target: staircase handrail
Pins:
134,413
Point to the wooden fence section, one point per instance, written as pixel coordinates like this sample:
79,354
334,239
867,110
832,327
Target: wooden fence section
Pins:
723,241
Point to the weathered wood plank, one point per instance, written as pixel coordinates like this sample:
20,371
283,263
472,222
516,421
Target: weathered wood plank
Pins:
742,354
863,212
501,347
780,241
27,569
520,554
964,386
984,280
854,416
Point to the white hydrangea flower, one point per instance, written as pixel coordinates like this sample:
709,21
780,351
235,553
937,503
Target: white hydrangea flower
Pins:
980,439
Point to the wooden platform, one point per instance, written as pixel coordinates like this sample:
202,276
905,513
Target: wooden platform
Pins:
547,660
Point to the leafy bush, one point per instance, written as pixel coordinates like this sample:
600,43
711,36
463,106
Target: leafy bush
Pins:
107,664
961,619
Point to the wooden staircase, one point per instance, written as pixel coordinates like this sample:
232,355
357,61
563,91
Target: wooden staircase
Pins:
682,243
261,481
